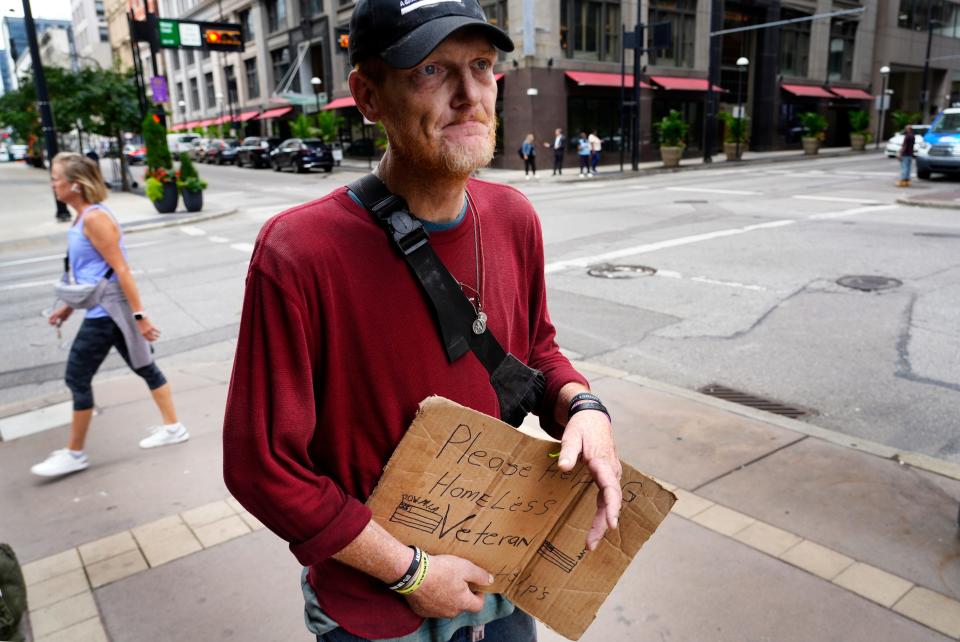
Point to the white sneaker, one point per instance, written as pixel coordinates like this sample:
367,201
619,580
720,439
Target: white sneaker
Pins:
60,462
164,436
527,177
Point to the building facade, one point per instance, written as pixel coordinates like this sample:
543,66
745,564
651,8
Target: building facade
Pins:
91,34
13,34
565,71
118,30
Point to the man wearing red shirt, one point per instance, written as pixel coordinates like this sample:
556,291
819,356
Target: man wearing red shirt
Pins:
338,346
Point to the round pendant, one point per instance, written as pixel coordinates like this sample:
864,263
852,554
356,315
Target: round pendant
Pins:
480,323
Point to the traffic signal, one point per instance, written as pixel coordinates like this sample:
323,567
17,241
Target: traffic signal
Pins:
343,39
223,38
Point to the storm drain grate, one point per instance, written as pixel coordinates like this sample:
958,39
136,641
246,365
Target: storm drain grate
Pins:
869,282
614,271
752,401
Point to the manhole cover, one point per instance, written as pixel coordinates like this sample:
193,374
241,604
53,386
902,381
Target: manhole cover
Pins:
611,271
690,202
753,401
869,283
938,235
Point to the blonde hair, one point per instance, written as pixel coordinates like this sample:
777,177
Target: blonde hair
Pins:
84,172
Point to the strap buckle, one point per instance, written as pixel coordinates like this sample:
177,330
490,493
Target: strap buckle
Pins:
407,232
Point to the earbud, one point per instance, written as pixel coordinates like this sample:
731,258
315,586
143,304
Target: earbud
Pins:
75,188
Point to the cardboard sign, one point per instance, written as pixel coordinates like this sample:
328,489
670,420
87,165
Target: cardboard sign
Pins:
462,483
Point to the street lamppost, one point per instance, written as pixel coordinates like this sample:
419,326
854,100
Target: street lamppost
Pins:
884,74
316,82
742,64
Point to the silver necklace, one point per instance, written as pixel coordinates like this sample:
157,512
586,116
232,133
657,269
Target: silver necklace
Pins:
480,323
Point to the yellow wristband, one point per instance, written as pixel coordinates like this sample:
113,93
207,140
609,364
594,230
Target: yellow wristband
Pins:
421,574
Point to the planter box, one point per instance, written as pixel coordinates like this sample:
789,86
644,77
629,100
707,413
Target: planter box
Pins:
671,156
858,142
811,146
730,149
193,201
168,202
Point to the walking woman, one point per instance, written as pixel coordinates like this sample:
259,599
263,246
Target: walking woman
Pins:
96,251
529,152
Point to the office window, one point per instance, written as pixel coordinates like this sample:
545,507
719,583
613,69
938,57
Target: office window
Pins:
280,60
204,54
590,29
229,73
794,44
245,18
210,89
918,14
682,16
175,55
314,7
194,94
276,15
253,83
98,5
843,35
180,95
104,34
496,13
190,57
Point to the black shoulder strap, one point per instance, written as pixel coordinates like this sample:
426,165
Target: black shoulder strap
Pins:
453,312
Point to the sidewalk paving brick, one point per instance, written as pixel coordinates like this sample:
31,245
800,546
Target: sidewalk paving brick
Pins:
49,567
165,540
769,539
56,589
221,531
63,614
207,514
723,520
116,568
108,547
88,631
936,611
817,559
689,505
872,583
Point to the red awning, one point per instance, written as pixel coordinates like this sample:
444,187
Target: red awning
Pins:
340,103
274,113
247,115
807,91
497,77
206,123
220,120
598,79
851,94
675,83
191,124
177,127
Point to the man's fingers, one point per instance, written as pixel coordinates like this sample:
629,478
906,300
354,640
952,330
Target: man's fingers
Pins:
598,528
612,498
477,575
570,448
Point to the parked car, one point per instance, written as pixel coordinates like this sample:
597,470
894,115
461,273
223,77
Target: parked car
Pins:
939,149
180,142
136,154
222,151
896,141
198,150
18,152
255,151
302,154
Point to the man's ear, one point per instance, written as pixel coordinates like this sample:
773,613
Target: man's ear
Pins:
365,95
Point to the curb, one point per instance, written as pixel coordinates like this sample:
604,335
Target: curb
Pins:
920,461
906,200
128,228
653,171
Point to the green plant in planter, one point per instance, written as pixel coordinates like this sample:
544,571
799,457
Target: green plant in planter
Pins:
159,162
187,177
903,118
859,122
302,127
154,189
814,125
672,129
734,128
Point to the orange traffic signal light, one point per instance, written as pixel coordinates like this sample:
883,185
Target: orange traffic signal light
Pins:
223,37
344,41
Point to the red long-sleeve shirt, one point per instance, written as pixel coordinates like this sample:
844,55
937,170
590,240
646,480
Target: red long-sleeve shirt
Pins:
338,346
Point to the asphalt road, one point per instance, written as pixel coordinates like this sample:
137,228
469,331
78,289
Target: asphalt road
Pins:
745,292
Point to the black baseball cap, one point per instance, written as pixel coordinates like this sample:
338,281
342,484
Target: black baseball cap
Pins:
404,32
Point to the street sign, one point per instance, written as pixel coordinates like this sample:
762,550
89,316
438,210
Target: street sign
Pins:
212,36
158,85
881,105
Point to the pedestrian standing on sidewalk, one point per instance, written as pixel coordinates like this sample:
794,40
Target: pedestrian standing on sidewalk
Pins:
559,148
595,145
529,152
96,251
906,156
330,371
583,151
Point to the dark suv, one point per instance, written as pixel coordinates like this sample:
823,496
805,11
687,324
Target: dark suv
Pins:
255,151
302,154
222,151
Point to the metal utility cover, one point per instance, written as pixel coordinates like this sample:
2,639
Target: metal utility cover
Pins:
869,283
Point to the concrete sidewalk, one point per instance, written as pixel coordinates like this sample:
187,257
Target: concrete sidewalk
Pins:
783,531
27,217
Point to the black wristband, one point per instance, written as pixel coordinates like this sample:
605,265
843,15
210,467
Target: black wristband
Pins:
589,405
580,396
411,571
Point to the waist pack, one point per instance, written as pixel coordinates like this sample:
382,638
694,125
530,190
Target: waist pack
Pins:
13,595
80,295
519,387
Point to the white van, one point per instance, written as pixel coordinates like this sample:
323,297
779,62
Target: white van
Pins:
180,142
